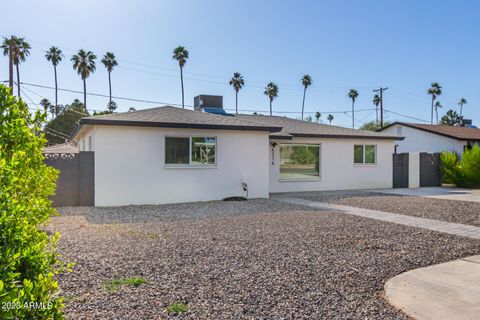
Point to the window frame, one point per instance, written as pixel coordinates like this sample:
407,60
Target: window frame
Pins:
363,163
189,164
306,179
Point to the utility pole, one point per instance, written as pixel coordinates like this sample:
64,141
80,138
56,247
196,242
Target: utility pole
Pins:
381,103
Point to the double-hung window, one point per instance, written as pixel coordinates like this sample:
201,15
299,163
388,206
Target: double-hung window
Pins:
185,151
365,154
299,161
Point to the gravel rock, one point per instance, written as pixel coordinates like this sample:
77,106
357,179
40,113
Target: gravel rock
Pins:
240,260
464,212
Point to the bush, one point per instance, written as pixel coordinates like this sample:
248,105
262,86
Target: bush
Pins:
464,172
28,257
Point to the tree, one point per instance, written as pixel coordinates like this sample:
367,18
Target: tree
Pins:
353,94
109,62
84,63
271,90
63,125
309,118
376,102
372,125
461,103
435,90
437,106
318,115
111,107
46,104
131,109
17,50
181,55
306,81
28,256
451,118
54,55
330,118
237,82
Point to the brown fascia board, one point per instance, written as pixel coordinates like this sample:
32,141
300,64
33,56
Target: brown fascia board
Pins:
177,125
345,136
421,129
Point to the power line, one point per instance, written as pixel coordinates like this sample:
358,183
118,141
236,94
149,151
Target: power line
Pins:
405,116
381,89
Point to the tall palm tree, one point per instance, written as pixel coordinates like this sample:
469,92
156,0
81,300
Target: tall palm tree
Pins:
18,50
435,90
271,90
109,62
353,94
84,63
306,81
330,118
54,55
437,106
376,102
237,82
9,48
461,103
181,55
318,115
45,103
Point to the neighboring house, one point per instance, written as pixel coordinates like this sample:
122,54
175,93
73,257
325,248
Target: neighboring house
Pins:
170,155
62,148
432,138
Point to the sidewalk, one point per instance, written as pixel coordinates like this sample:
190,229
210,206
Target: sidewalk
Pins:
444,291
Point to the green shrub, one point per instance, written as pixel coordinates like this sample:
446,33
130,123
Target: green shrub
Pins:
114,284
28,257
464,172
177,307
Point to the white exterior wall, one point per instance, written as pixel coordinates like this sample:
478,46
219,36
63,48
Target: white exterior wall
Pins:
130,167
423,141
337,170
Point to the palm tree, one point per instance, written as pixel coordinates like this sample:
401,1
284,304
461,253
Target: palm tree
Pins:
109,62
435,90
353,94
306,81
84,63
9,48
54,55
376,102
45,103
437,106
461,103
271,90
318,115
330,118
18,50
237,82
181,55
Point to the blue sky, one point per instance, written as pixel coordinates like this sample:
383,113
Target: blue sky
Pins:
404,45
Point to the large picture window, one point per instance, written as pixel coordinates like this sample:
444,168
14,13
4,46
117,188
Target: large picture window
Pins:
364,154
190,150
299,161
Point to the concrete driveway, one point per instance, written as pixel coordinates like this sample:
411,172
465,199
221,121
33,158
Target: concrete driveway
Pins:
459,194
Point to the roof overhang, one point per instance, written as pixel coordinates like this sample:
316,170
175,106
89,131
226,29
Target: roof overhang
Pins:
91,121
346,136
425,130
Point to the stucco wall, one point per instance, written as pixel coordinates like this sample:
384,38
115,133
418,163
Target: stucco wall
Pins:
338,172
422,141
130,167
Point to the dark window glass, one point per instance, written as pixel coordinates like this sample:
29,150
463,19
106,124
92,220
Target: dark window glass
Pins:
370,154
203,150
177,150
358,154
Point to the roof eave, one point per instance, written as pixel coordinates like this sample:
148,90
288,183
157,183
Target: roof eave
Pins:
345,136
424,129
92,121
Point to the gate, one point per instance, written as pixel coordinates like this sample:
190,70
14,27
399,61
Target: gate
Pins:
75,184
430,170
400,170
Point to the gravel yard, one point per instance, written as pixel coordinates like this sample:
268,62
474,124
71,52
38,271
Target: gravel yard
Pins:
464,212
258,259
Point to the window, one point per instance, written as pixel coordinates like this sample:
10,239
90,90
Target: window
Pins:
299,161
364,154
190,150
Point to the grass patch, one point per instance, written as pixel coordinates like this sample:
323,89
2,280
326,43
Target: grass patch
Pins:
115,284
177,307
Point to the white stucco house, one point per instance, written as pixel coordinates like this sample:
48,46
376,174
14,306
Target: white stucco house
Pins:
169,155
432,138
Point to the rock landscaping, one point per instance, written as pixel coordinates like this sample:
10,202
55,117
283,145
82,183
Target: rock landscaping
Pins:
255,259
